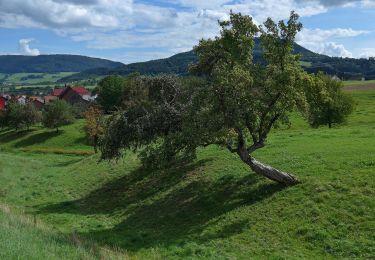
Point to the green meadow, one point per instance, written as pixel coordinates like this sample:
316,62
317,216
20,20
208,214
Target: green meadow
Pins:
213,208
35,78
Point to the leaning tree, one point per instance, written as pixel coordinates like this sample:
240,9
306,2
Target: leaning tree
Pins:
235,103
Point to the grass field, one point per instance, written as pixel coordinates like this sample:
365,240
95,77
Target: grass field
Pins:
24,237
214,208
358,82
35,78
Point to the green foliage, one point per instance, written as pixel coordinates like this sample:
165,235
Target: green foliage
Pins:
18,116
240,100
153,111
56,114
109,92
94,125
328,104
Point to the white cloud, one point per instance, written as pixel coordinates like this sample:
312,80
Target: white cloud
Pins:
367,52
24,48
335,50
323,41
106,24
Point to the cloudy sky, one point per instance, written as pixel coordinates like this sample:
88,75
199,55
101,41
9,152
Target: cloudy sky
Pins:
139,30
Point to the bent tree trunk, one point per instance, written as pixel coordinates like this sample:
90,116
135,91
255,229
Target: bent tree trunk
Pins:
272,173
268,171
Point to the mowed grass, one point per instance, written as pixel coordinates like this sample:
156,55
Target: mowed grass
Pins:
358,82
215,207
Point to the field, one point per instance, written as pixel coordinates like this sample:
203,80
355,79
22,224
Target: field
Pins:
214,208
34,78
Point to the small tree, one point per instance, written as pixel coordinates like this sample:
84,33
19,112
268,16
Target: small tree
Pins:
57,114
328,104
110,91
15,116
94,125
31,115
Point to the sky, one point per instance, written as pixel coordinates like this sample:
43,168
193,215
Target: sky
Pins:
140,30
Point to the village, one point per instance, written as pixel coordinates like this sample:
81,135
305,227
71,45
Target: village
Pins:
74,95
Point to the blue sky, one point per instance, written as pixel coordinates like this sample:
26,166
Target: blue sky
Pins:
139,30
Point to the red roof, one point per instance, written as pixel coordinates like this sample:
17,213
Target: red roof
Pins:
82,91
57,92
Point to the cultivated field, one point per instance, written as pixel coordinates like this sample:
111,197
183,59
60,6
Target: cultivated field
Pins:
33,78
214,208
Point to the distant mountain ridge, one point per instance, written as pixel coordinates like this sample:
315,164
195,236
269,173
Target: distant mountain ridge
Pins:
345,68
52,63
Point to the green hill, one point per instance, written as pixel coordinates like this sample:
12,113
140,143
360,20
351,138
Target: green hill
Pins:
345,68
11,64
213,208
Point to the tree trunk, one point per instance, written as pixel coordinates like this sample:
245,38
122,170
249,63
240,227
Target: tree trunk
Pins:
272,173
96,144
268,171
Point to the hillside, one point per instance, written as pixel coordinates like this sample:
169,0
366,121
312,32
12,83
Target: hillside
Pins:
25,237
213,208
345,68
11,64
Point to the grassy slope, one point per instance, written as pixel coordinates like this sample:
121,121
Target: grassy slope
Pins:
69,139
22,237
213,208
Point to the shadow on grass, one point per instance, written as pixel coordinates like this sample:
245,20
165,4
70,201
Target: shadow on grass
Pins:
167,208
10,136
37,139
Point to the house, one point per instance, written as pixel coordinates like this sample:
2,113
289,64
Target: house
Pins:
37,101
39,104
22,100
75,95
57,92
3,103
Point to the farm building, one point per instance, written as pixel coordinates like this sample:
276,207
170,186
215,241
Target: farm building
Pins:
37,101
74,95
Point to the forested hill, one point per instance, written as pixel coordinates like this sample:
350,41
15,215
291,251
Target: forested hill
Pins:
178,64
52,63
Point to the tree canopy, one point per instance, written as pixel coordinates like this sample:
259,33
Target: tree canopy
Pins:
235,103
57,114
328,104
109,92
